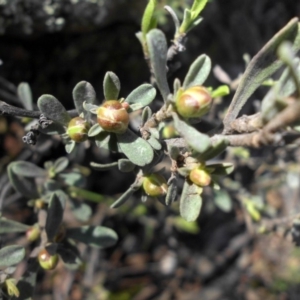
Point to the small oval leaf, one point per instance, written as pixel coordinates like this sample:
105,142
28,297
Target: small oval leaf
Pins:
25,95
83,92
111,86
198,72
125,165
27,169
9,226
143,95
94,236
53,109
135,148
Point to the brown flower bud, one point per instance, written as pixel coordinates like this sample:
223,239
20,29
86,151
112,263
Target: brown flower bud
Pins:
193,102
113,117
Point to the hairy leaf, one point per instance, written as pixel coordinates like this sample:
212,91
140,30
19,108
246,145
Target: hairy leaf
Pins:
198,72
142,95
27,169
197,141
111,86
261,67
135,148
60,164
157,46
8,226
25,95
53,109
11,255
190,202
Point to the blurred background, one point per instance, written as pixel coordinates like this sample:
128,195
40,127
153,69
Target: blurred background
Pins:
53,45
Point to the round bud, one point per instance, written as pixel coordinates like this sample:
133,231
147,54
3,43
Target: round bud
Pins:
169,132
46,260
39,204
193,102
155,185
200,177
78,129
33,233
113,117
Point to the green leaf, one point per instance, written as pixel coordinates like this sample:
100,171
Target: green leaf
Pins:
55,214
125,165
157,46
11,255
222,168
146,115
103,167
70,146
95,130
148,20
197,7
172,191
53,128
261,67
198,72
183,225
186,22
53,109
94,236
25,186
155,144
223,201
123,198
27,169
83,92
221,91
137,150
141,96
190,202
9,226
25,95
111,86
60,164
214,150
197,141
69,255
102,139
80,210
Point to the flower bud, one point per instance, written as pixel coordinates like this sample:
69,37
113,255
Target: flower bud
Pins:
193,102
33,233
46,260
113,117
200,177
155,185
78,129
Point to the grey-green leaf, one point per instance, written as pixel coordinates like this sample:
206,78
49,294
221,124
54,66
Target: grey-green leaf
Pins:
9,226
83,92
111,86
60,164
261,67
94,236
123,198
137,150
95,130
155,144
196,140
198,72
148,21
142,95
103,167
11,255
53,109
172,191
214,150
157,46
190,202
125,165
55,214
222,200
146,115
27,169
25,95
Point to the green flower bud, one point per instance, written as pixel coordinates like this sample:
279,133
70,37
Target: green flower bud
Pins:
169,132
46,260
112,116
193,102
155,185
33,233
78,129
200,177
